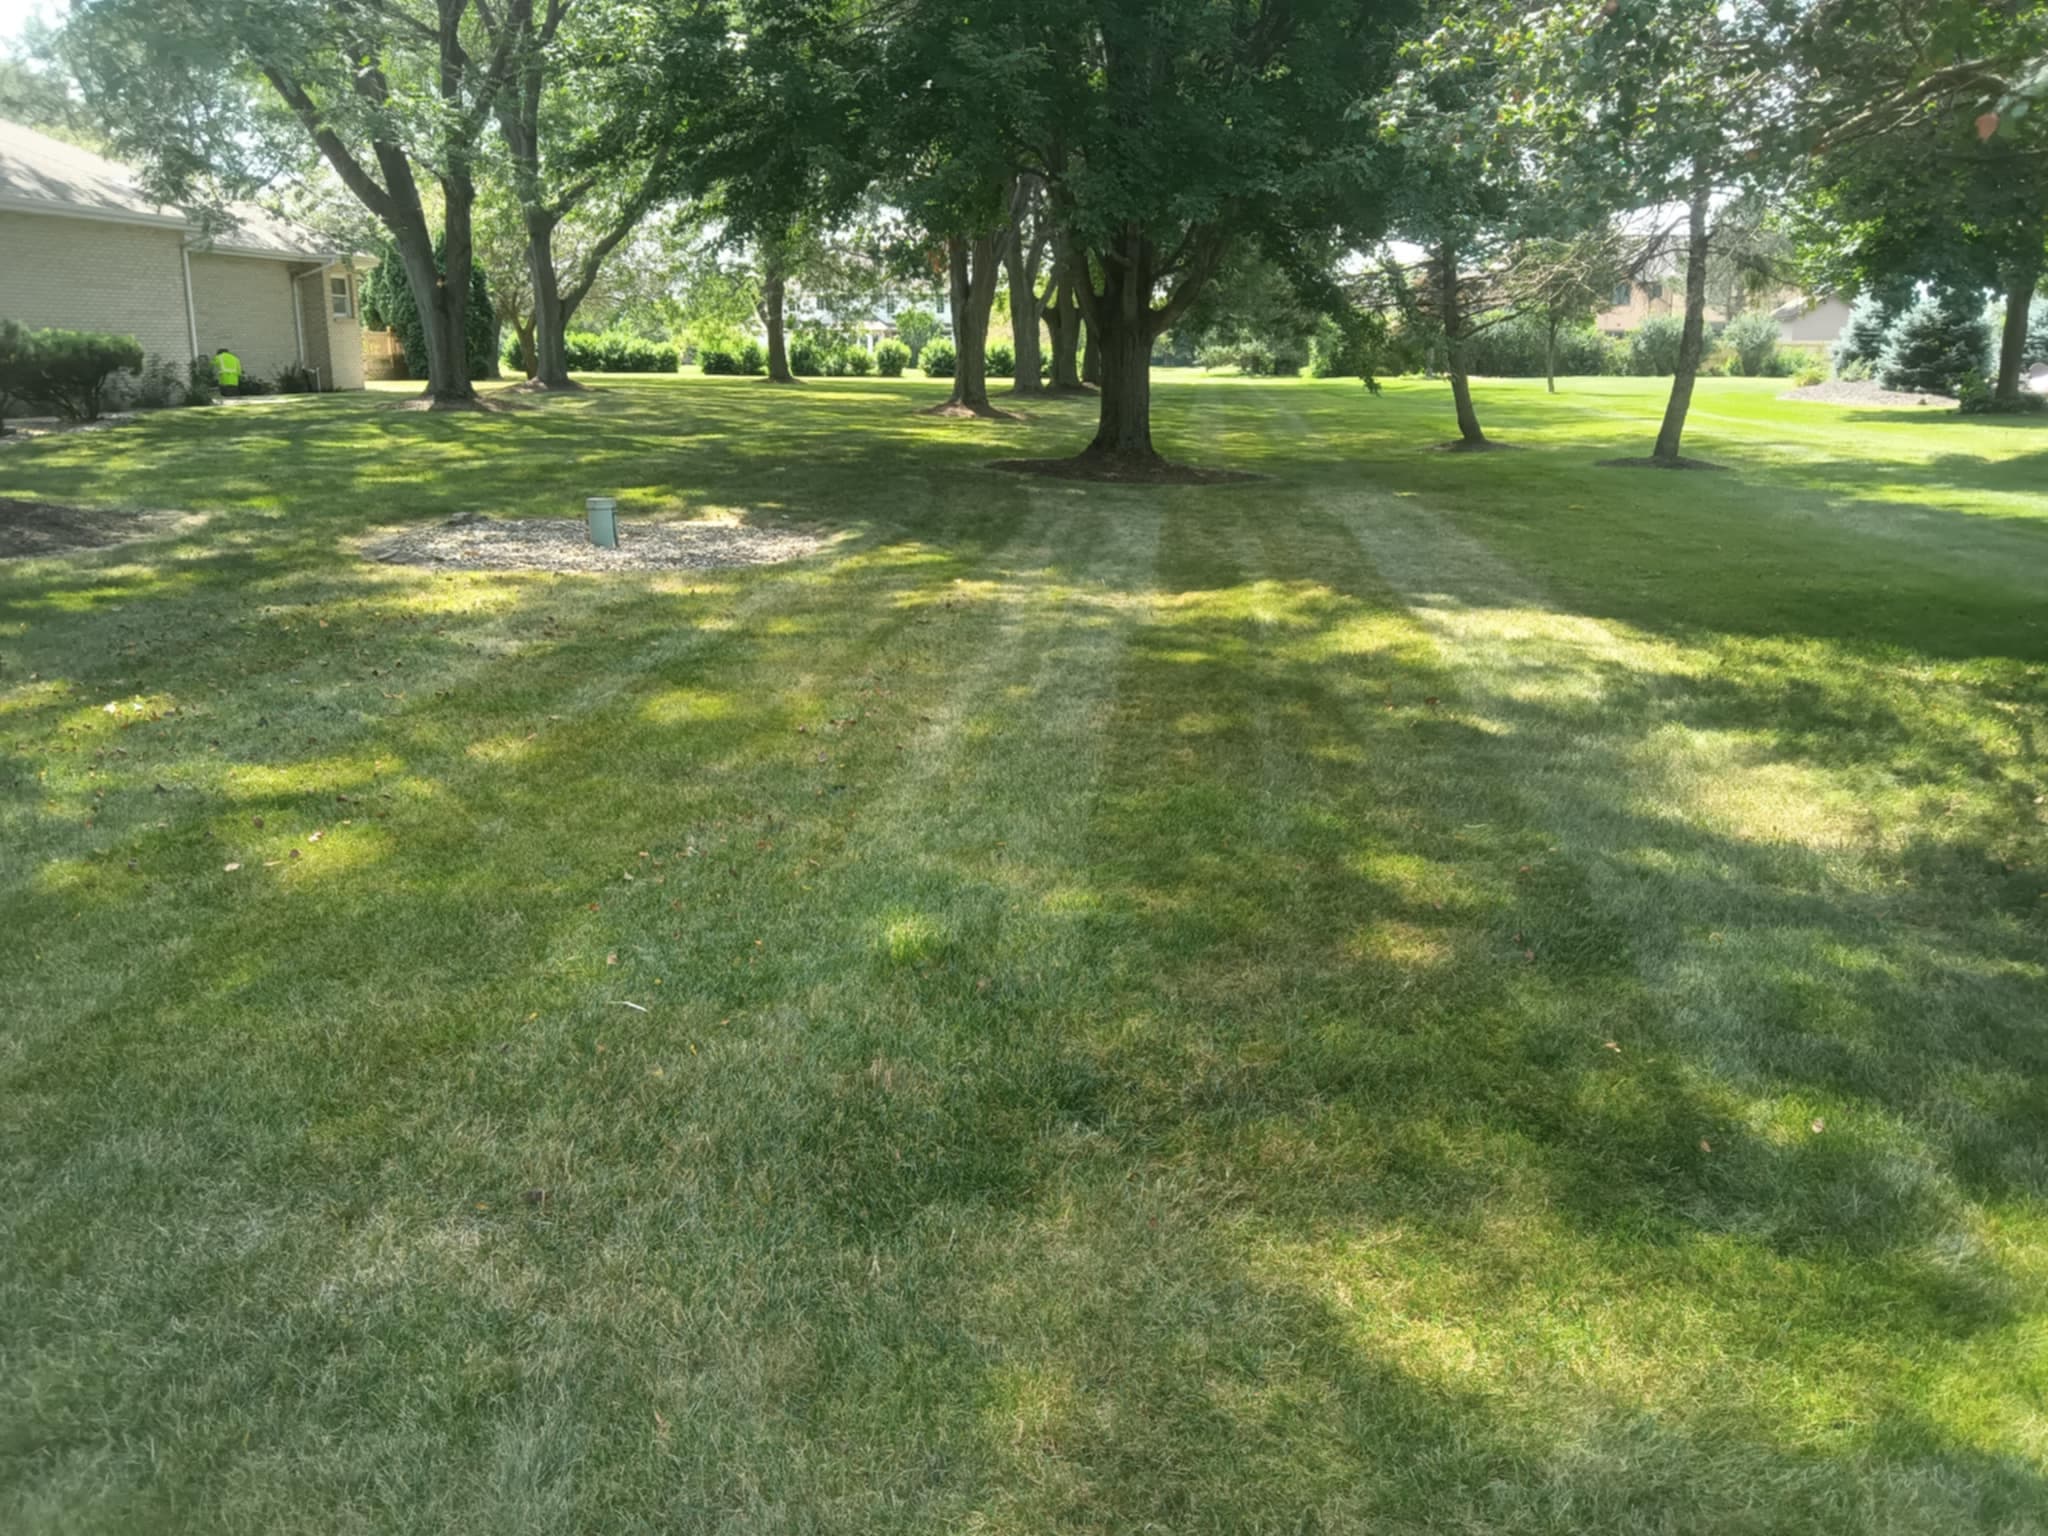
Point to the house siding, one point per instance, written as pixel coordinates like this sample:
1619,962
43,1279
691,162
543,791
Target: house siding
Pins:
95,275
244,303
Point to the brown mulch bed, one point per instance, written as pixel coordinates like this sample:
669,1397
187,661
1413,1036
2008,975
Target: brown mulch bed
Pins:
32,528
1114,472
469,542
1864,392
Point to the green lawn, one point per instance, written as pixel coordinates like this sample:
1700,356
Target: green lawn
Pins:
1425,993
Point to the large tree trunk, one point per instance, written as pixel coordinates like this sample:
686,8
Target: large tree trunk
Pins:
451,308
550,316
447,364
1091,355
1122,317
1066,332
1451,313
1693,339
1123,431
529,346
1550,355
2012,339
772,294
971,275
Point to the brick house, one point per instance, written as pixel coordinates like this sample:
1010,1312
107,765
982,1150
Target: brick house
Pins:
83,248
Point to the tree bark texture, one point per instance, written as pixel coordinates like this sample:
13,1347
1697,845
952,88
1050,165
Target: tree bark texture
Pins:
1693,338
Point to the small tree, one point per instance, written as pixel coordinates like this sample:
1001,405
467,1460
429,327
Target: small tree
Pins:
916,327
1937,345
1754,338
1868,328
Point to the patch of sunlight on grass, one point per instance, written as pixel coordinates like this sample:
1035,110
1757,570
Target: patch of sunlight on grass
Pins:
682,706
326,775
1727,782
911,938
1400,943
1201,722
1071,899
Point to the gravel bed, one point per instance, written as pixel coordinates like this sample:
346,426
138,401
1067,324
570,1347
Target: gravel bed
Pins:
469,542
1864,392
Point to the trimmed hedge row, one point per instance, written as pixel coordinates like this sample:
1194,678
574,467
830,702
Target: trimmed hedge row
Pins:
617,352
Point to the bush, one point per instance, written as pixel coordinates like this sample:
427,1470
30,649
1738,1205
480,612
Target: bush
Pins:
1653,346
1000,359
752,359
718,360
858,362
1810,374
1513,349
1753,339
937,359
1854,371
14,367
806,357
1863,334
1935,346
73,370
891,358
1977,398
618,352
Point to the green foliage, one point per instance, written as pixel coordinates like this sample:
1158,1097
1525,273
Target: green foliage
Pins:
388,305
892,357
1753,338
807,355
937,359
14,366
1865,332
162,384
1001,359
1514,349
916,326
859,361
1810,374
73,370
1653,346
718,360
1977,397
618,352
2035,349
1935,346
753,360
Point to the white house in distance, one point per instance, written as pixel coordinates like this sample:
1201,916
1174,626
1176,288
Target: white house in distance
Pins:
81,247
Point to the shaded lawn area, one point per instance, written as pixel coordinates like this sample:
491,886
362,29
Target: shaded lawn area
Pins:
1420,993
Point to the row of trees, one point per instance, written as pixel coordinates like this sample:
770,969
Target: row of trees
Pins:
1117,165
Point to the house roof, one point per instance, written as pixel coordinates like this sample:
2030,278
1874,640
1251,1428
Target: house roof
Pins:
39,174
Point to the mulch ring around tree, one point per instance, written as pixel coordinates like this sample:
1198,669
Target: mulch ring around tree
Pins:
33,528
1122,472
471,542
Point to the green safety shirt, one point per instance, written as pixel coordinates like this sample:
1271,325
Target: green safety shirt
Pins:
228,369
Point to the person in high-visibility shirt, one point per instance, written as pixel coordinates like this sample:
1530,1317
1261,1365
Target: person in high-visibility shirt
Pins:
227,371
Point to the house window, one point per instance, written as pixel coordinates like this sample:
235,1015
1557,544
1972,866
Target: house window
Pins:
339,299
1621,293
1653,291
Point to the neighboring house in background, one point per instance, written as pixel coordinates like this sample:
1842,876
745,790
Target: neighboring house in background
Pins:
1811,322
1632,303
83,248
1802,321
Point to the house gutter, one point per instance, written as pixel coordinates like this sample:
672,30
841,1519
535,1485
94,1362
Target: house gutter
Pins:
191,309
